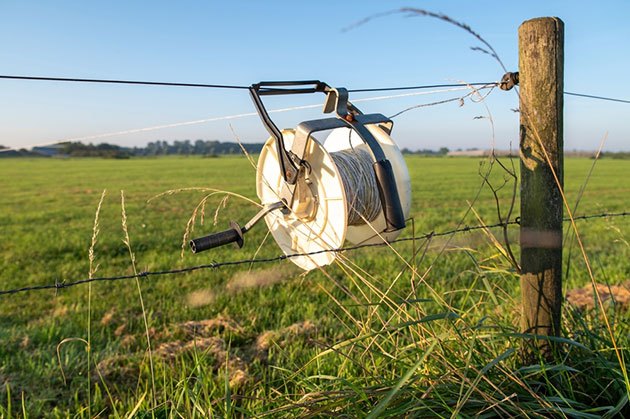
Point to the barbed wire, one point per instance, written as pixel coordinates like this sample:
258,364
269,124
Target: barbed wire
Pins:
216,265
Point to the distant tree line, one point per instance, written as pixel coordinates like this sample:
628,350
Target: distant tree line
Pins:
201,148
623,155
161,148
77,149
427,152
197,148
17,153
157,148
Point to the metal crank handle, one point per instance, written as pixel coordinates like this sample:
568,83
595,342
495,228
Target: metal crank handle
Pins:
266,210
233,235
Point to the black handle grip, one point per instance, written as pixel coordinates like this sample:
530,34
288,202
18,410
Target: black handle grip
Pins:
233,235
388,192
267,88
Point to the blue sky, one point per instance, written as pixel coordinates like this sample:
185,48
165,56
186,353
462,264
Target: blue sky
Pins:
243,42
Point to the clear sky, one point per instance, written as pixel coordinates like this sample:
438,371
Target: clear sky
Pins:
243,42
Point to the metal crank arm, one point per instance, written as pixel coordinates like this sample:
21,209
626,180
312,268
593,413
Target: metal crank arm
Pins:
234,234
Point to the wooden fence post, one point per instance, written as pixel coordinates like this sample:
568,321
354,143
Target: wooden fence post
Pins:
541,72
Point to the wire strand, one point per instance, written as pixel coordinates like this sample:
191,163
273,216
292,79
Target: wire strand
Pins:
134,82
227,118
216,265
421,87
449,87
610,99
217,86
242,87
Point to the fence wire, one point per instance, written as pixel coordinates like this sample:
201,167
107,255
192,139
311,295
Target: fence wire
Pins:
243,87
216,265
474,86
222,86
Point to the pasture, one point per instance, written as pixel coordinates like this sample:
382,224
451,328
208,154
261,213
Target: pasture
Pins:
427,327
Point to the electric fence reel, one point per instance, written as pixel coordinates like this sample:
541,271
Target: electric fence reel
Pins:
354,186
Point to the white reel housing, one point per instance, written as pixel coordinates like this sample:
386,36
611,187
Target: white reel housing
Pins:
317,221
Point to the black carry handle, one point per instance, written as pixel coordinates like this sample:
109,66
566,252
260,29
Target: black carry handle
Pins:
270,88
233,235
288,168
392,209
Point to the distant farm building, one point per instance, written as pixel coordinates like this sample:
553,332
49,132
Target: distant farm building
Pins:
53,150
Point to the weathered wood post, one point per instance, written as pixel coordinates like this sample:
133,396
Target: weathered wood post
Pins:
541,73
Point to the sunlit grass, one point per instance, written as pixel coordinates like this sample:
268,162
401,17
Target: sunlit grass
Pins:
435,334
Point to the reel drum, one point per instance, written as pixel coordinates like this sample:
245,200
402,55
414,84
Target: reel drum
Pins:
318,219
346,139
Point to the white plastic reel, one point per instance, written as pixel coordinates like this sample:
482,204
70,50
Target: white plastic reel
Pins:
318,220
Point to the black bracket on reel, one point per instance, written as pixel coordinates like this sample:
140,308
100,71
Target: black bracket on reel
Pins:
293,161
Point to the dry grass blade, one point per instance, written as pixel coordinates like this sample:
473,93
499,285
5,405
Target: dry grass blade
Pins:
259,248
60,344
199,209
580,194
95,230
511,174
385,402
490,50
221,206
213,190
132,258
497,245
250,159
92,271
547,159
411,11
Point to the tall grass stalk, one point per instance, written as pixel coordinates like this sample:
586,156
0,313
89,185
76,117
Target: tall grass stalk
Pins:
526,114
132,258
92,270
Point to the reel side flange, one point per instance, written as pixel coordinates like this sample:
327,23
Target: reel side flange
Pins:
305,230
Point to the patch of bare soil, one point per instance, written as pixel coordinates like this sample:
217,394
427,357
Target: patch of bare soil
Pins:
205,338
585,297
257,279
219,324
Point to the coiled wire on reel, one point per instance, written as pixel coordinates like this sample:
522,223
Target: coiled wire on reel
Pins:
354,186
359,185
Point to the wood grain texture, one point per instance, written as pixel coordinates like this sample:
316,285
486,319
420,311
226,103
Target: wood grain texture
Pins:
541,67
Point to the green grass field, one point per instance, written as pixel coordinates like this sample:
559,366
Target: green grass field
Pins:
380,332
